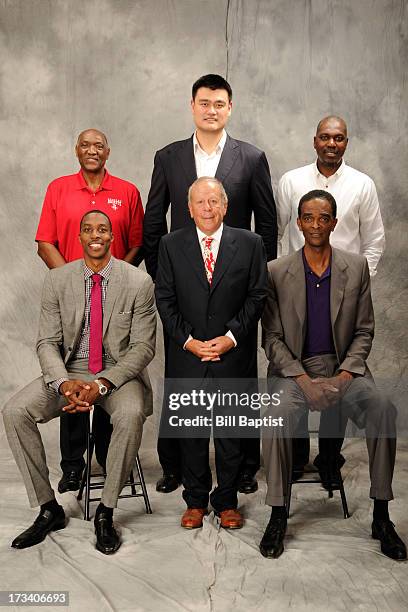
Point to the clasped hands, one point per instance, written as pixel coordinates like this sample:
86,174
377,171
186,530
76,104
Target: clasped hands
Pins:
210,350
321,393
79,394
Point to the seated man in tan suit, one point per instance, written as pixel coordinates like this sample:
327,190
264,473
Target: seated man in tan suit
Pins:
318,327
96,337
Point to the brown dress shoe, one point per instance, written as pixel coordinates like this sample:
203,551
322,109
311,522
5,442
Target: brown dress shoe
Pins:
193,518
231,519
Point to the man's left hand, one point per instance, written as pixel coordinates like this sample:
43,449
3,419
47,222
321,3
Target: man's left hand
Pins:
221,345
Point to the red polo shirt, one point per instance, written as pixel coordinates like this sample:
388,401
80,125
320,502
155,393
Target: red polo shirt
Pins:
68,198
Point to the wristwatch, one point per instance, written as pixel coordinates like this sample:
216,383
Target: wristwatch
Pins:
103,389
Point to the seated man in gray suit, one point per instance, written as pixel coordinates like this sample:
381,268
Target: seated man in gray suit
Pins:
96,337
318,327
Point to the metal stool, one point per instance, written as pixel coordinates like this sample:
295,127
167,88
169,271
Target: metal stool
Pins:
317,481
89,486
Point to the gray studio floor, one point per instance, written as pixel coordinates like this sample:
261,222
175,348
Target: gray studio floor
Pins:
329,563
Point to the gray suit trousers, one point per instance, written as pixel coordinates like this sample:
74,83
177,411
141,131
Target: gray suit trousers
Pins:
361,402
36,403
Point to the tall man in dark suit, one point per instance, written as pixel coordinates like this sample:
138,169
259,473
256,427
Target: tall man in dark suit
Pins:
318,329
244,172
210,292
96,337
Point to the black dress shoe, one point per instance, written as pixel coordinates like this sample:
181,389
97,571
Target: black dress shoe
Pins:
247,483
329,470
391,543
107,538
297,472
45,522
271,545
70,481
168,483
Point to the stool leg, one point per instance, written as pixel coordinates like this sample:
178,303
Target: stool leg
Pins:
132,483
343,499
143,485
89,452
288,498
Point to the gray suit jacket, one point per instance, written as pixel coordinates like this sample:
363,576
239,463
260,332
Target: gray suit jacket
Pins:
129,323
284,317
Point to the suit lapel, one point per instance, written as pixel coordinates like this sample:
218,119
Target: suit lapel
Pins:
78,293
194,255
186,156
226,253
337,284
228,157
297,288
112,292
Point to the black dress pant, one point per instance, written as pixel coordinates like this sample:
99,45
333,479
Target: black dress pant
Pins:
73,439
196,474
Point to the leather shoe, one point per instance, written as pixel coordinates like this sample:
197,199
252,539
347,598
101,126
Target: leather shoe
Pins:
297,472
247,483
271,545
329,470
391,543
107,538
45,522
167,483
231,519
70,481
193,518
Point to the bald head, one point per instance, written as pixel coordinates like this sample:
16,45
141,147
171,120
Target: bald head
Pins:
92,151
331,120
330,143
92,132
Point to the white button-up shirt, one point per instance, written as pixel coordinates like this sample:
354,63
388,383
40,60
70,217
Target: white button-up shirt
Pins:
206,165
359,227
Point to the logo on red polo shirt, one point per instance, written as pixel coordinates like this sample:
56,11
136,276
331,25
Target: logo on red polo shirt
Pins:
115,204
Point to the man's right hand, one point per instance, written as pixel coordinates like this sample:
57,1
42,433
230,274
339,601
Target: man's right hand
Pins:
316,394
73,391
202,350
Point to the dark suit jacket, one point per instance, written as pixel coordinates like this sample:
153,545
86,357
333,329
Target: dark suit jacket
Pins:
188,305
244,172
351,309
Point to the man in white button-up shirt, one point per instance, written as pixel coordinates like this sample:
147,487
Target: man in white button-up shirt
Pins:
359,228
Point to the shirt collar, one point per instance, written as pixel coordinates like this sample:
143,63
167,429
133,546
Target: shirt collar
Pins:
218,149
105,272
309,270
106,183
338,172
216,235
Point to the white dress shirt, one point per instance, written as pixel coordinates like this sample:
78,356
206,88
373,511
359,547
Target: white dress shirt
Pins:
215,246
206,165
359,227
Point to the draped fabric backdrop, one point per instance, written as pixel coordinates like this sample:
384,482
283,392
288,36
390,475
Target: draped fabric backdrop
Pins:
126,67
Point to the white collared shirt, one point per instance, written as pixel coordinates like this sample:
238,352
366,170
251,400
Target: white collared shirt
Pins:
206,165
359,227
215,245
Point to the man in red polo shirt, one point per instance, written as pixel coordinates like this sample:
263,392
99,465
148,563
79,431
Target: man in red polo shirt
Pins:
67,199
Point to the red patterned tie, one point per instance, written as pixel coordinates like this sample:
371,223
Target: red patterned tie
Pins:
209,261
95,328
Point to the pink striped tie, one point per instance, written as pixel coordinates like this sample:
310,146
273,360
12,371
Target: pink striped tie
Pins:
209,261
95,331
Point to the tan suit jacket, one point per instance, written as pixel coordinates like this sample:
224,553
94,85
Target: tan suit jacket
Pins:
284,317
129,323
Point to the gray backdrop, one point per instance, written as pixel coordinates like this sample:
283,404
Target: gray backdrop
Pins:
126,67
